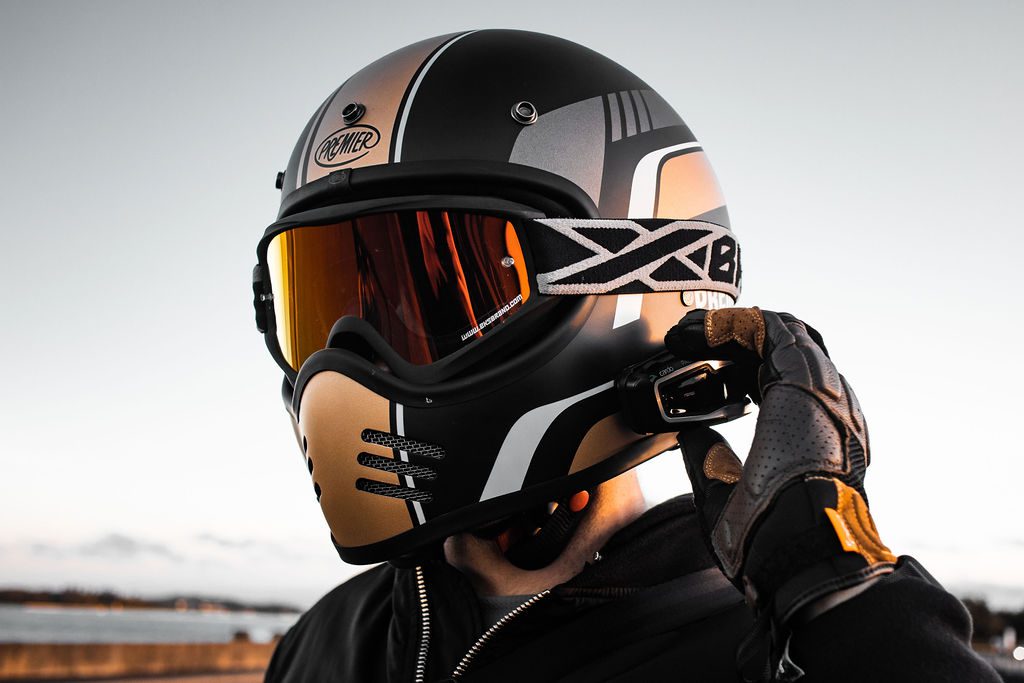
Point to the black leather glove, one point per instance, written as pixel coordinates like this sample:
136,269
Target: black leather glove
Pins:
791,526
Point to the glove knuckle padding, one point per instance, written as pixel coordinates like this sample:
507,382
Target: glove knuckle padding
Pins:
795,358
858,425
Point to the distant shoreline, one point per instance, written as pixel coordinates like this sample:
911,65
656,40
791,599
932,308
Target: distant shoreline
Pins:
108,600
121,608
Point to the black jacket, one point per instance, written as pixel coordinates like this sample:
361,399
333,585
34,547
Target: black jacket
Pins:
654,608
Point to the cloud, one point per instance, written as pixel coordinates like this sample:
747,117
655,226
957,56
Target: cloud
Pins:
111,546
124,547
229,543
45,550
206,551
253,545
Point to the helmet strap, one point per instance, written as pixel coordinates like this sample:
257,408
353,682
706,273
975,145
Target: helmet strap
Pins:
535,539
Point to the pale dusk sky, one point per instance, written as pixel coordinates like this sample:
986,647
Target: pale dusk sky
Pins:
870,153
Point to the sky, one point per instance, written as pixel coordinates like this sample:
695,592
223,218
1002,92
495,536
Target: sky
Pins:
870,154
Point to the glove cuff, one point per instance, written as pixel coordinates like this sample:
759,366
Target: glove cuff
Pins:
817,538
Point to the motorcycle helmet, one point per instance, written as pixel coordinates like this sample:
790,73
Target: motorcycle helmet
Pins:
477,232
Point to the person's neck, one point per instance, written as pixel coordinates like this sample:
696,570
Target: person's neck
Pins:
615,504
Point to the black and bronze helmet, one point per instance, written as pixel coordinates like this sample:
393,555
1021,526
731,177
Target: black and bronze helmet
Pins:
477,233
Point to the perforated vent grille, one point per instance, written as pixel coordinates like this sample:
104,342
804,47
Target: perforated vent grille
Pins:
392,491
396,466
400,443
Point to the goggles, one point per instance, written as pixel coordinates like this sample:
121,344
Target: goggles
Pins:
431,281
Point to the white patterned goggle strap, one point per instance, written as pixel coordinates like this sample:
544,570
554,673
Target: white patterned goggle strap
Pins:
620,256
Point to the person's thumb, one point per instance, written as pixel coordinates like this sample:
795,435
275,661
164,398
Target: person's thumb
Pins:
713,469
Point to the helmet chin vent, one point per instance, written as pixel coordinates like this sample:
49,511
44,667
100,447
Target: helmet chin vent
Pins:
379,488
405,469
400,443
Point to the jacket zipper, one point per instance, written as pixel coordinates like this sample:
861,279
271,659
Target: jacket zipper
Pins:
467,659
421,658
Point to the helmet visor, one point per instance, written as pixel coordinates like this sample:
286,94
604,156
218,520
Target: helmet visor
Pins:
428,281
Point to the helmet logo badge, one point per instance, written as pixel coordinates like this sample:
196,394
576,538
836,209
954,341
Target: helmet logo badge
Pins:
344,146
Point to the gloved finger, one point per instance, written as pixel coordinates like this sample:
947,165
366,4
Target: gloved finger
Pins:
713,469
795,354
811,332
735,334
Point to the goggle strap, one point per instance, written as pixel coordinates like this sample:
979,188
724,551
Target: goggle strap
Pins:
630,256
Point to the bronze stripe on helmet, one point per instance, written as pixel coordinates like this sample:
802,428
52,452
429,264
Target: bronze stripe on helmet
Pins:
381,88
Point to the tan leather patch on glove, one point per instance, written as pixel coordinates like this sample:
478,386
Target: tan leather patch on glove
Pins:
722,464
855,528
745,326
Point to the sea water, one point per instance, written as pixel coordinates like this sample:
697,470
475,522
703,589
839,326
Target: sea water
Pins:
30,624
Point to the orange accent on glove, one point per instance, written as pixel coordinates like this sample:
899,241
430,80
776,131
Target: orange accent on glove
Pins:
855,528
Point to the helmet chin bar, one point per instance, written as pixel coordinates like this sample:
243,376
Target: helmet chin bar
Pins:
399,465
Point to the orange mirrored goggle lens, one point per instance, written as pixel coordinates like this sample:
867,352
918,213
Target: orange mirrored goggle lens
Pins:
428,281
